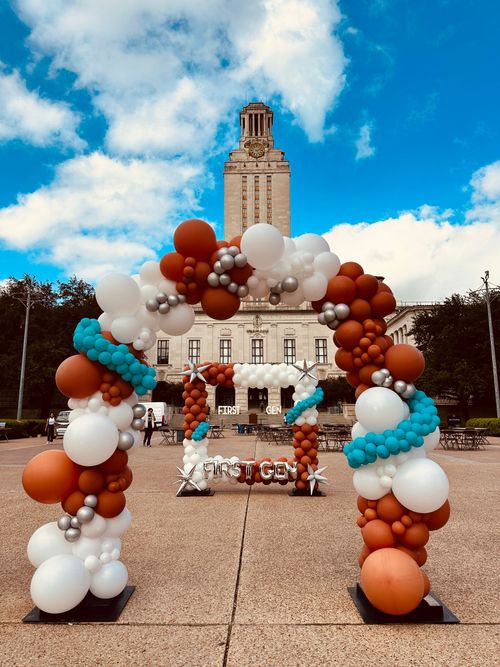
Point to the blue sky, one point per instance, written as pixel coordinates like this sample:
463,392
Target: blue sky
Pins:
114,126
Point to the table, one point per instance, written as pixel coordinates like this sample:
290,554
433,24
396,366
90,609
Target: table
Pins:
3,431
463,438
216,432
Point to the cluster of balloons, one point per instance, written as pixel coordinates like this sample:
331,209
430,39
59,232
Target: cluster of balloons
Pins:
305,453
201,431
303,406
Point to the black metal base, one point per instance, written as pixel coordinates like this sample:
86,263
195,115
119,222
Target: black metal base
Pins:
90,610
295,493
430,610
194,492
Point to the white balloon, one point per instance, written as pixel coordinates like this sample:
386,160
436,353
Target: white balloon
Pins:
121,415
379,409
431,441
118,294
263,245
358,431
116,526
147,319
91,439
93,564
87,546
125,329
421,485
150,272
293,298
314,288
148,292
328,264
367,483
60,583
178,320
259,290
312,243
75,414
47,541
105,321
110,580
94,528
167,286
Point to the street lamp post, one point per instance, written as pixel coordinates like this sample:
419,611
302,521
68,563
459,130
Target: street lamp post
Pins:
27,304
492,343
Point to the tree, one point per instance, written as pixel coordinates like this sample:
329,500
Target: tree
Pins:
455,340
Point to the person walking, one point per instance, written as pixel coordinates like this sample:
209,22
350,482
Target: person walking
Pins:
50,428
148,430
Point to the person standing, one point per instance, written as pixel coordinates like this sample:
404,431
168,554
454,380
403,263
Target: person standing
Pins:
148,430
50,428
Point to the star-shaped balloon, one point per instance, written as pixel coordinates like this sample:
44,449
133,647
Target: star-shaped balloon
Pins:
305,370
315,476
193,371
185,480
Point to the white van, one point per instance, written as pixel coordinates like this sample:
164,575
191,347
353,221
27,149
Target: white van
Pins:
160,411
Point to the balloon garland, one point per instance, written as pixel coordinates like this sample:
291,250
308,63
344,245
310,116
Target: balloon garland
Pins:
402,493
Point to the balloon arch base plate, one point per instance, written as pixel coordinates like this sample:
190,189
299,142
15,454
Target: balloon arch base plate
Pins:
193,492
297,493
90,610
430,610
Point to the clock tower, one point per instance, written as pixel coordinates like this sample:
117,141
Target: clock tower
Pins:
256,177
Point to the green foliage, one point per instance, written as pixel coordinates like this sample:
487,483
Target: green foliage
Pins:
335,390
455,340
491,423
169,393
56,310
26,428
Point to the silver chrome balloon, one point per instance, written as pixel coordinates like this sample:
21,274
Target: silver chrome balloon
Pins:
277,289
90,500
378,378
218,267
213,279
242,291
387,382
151,305
163,308
290,284
172,300
233,250
232,287
385,371
138,424
400,386
181,298
74,523
342,311
411,390
125,440
64,522
72,534
328,305
240,260
161,297
221,252
329,315
85,514
274,299
333,325
225,279
227,262
321,318
139,410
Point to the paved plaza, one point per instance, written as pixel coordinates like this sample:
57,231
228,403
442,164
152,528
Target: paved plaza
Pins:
252,576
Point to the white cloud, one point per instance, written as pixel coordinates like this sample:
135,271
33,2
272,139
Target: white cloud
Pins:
100,213
165,72
422,254
26,116
363,144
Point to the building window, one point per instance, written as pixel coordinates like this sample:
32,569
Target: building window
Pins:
225,351
194,350
289,350
162,352
269,195
321,351
257,351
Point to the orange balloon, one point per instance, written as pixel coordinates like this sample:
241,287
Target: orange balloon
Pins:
115,464
383,303
91,481
348,334
340,289
50,476
427,584
405,362
366,286
344,360
415,537
172,266
351,269
360,389
201,272
353,379
438,518
241,274
78,377
389,509
195,238
378,535
360,309
219,304
392,581
365,373
362,504
110,504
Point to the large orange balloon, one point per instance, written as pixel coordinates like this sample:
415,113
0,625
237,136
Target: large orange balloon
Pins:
340,289
405,362
389,508
366,286
172,266
219,304
377,535
73,502
351,269
116,463
348,334
91,481
195,238
50,477
392,581
110,504
344,360
78,377
415,537
383,303
438,518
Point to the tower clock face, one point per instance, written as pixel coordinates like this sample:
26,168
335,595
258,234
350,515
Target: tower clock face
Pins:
256,149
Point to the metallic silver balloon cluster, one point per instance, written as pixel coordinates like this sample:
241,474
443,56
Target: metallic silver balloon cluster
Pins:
164,302
138,422
332,314
71,525
383,378
228,258
288,284
405,389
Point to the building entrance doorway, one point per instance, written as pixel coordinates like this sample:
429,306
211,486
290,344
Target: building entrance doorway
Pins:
286,397
257,399
224,396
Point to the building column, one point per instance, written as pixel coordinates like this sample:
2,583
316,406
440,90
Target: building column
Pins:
241,398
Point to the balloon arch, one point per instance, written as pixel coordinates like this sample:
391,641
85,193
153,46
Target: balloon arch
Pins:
402,493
